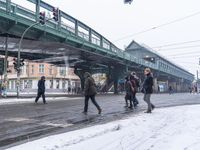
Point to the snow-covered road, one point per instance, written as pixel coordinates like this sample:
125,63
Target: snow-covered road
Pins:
175,128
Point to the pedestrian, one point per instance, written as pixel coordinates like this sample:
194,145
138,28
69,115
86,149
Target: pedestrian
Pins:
128,95
69,89
147,89
170,90
190,90
196,90
136,84
3,90
90,92
41,90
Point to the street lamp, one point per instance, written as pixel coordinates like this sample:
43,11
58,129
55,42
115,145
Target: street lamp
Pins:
19,55
18,58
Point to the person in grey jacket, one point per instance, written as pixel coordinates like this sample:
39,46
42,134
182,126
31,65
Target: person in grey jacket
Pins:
90,92
147,89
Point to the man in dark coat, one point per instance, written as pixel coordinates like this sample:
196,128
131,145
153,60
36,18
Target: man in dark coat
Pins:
41,90
147,89
90,92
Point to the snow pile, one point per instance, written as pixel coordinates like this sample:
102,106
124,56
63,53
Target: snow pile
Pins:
175,128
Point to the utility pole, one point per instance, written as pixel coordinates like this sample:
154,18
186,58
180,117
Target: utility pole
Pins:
5,65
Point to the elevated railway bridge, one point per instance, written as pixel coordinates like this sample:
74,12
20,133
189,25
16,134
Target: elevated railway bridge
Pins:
70,41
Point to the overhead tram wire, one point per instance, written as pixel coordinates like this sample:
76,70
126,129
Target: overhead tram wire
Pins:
174,44
184,47
188,53
159,26
182,56
179,57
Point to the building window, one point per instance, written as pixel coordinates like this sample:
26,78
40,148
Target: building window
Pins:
50,70
12,85
22,69
63,84
28,84
41,68
32,69
21,84
57,84
27,69
25,84
51,84
62,71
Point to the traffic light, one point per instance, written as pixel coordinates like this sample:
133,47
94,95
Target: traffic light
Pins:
128,1
1,66
15,63
42,18
21,62
56,14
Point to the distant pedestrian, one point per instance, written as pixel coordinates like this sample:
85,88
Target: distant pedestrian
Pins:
147,89
128,95
90,92
190,90
196,90
69,89
170,90
41,90
3,90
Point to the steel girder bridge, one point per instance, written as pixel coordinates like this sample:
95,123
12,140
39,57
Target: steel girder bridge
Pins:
71,41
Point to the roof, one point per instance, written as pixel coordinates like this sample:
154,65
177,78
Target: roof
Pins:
134,45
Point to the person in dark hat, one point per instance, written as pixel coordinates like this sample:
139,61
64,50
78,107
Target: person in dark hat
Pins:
41,90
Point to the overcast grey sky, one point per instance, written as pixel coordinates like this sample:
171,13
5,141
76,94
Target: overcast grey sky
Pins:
119,22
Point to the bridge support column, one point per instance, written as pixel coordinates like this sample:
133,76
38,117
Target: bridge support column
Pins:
116,86
118,72
80,74
108,80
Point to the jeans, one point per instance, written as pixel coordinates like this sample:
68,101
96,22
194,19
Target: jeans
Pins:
147,100
92,97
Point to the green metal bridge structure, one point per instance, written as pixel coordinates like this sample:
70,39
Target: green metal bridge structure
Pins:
70,41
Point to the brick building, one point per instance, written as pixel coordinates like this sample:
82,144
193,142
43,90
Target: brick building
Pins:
58,79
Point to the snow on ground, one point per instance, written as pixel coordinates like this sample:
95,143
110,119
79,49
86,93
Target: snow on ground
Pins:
175,128
32,100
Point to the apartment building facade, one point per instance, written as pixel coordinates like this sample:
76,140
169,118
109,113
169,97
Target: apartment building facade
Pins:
58,79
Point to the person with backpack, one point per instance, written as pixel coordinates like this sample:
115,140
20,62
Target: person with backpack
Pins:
90,92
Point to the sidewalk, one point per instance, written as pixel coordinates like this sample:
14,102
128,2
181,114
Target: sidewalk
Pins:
174,128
